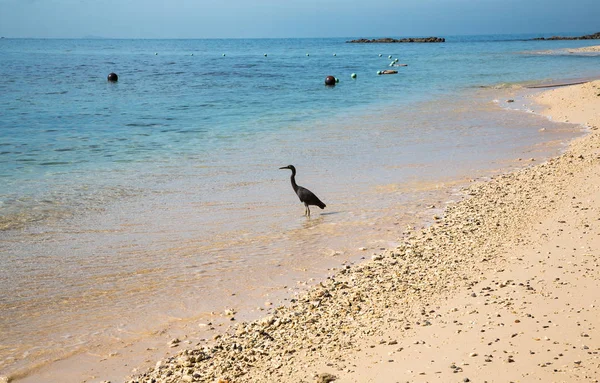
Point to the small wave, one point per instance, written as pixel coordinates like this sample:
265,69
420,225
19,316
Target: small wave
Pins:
53,163
179,107
245,66
143,125
503,85
192,131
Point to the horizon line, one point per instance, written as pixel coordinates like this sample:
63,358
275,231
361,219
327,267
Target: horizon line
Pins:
92,37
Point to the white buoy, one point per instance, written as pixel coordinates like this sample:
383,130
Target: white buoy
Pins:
353,75
390,57
265,55
307,55
334,54
380,55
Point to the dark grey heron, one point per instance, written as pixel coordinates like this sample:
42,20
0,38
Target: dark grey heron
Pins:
306,196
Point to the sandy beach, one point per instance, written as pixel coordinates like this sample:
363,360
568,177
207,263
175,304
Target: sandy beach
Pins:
594,48
501,287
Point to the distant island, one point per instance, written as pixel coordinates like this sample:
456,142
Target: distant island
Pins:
387,40
595,36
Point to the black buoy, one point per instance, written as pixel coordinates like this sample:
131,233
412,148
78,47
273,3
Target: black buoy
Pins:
112,77
329,80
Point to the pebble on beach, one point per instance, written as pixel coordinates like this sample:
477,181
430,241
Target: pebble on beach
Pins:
325,378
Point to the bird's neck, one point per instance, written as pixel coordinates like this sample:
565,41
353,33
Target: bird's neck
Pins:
293,178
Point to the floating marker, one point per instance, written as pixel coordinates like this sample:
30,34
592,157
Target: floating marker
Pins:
378,72
265,55
395,60
112,77
353,75
330,80
307,55
223,54
380,55
334,54
155,53
192,54
337,80
390,57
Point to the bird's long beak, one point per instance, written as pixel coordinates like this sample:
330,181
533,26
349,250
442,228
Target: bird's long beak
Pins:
285,167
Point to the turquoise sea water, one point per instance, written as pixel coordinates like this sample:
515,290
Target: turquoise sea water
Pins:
148,192
69,136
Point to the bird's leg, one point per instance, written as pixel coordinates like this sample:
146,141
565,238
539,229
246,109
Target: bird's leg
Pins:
308,210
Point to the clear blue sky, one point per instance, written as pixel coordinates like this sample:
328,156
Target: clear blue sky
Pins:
292,18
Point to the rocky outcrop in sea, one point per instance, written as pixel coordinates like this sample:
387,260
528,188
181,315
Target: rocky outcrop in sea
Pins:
387,40
594,36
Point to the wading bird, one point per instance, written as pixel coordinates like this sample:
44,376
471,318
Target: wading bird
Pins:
306,196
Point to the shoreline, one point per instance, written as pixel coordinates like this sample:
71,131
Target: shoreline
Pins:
357,324
218,320
115,358
593,48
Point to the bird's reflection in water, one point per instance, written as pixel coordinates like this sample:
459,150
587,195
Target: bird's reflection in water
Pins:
313,222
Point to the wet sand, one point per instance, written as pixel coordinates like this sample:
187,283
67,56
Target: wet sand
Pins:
501,287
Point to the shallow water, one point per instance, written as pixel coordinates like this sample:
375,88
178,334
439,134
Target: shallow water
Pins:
130,207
